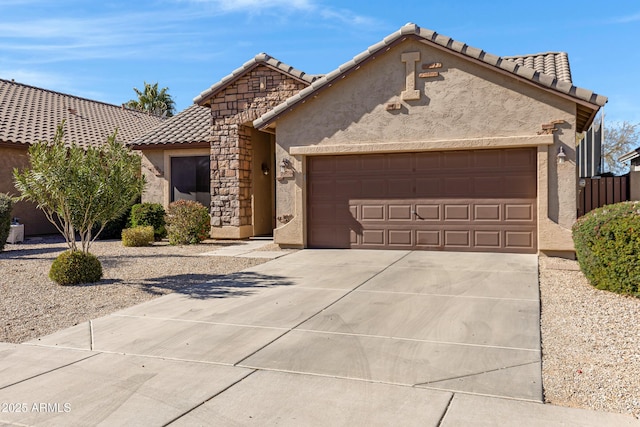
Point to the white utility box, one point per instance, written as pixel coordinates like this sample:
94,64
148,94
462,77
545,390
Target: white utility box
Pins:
16,234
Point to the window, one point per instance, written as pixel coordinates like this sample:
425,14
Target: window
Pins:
190,179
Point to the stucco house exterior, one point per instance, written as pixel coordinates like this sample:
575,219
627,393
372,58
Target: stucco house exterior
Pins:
419,142
30,114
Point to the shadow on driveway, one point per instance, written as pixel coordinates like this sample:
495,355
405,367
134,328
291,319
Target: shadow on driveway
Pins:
205,286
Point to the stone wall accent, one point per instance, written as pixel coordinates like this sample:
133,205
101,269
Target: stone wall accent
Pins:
232,111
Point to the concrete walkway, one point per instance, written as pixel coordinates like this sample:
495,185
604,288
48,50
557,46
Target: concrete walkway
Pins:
317,337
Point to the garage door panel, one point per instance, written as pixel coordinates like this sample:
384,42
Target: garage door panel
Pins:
519,212
457,187
345,164
330,237
402,238
520,158
373,212
323,188
322,165
320,212
428,187
518,239
374,188
456,160
487,160
456,212
488,212
488,239
483,200
346,187
428,212
400,212
428,239
457,239
400,187
400,162
373,237
374,163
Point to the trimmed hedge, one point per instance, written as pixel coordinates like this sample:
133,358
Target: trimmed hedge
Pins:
607,242
149,214
74,267
141,235
188,222
6,205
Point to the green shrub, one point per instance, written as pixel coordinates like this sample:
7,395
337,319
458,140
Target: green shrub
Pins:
149,214
141,235
607,242
188,222
6,204
74,267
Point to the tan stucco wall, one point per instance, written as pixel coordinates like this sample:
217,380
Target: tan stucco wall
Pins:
153,171
34,220
467,105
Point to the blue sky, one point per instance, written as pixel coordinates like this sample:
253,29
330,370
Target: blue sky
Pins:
102,49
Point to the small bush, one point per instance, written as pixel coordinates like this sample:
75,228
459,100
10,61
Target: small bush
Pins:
188,222
607,242
149,214
6,204
74,267
141,235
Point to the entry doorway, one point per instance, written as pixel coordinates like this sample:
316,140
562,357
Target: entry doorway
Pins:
263,183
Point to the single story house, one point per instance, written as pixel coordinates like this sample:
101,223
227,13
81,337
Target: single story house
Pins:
419,142
29,114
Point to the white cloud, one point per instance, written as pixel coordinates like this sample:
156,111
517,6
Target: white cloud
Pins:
258,5
627,19
35,78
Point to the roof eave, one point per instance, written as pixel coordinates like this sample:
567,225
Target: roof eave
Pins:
630,155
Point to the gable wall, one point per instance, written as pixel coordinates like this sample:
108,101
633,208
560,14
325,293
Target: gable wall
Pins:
232,111
465,101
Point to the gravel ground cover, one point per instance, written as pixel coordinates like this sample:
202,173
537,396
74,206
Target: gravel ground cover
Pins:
590,342
590,338
31,305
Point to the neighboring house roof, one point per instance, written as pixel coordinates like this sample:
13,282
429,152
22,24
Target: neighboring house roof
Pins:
557,83
29,114
259,59
630,155
187,127
554,64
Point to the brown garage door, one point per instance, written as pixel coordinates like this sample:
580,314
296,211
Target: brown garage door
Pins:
479,200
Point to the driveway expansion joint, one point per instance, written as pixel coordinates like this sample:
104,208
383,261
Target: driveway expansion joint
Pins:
323,309
476,374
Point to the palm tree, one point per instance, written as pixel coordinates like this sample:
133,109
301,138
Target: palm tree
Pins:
153,101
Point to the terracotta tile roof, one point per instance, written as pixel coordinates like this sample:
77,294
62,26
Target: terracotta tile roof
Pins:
555,83
29,114
554,64
189,126
261,58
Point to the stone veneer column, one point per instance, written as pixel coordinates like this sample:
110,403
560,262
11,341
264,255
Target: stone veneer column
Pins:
232,111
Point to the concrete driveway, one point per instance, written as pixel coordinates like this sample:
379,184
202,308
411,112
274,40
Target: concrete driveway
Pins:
318,337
